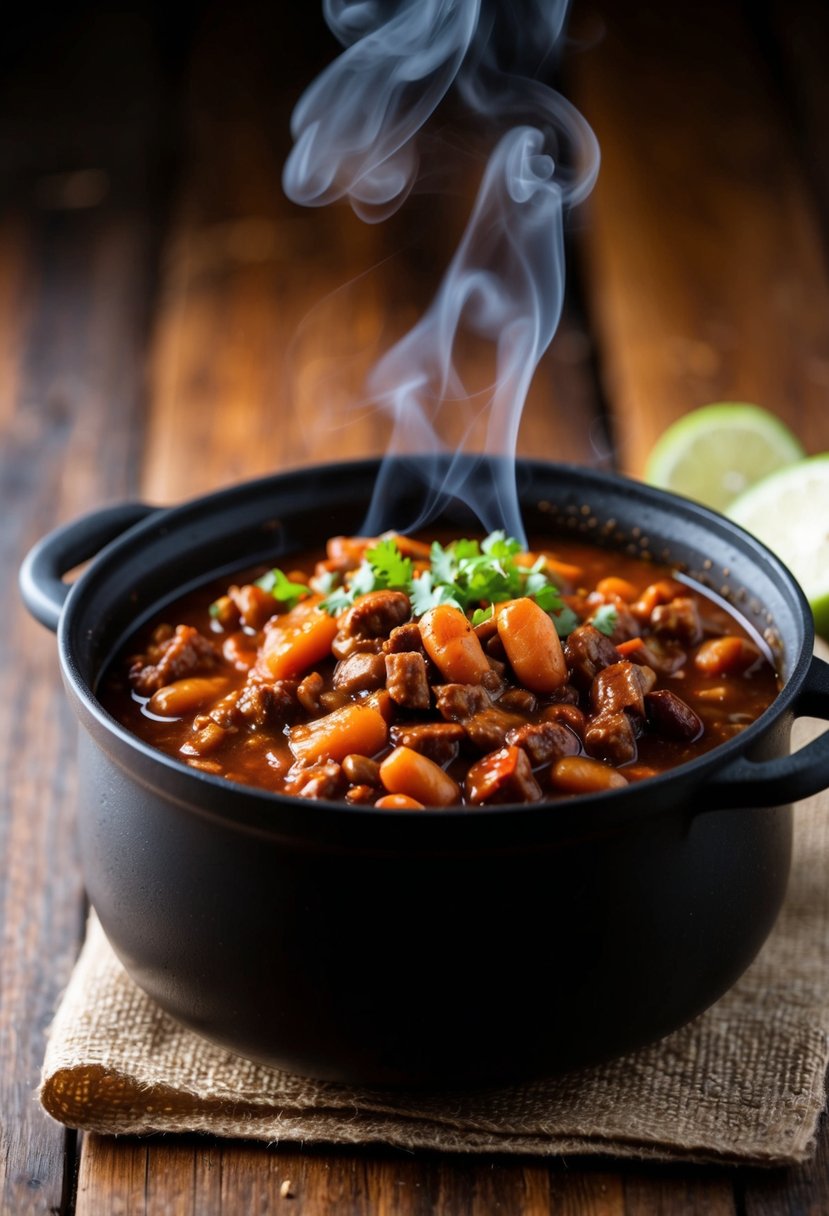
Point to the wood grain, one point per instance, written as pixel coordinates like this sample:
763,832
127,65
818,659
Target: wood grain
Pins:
705,273
75,258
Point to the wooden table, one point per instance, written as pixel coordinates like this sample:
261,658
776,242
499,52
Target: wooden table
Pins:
162,333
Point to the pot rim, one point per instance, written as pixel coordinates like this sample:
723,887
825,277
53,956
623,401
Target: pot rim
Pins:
260,805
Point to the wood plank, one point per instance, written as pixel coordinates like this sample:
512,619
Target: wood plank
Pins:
703,258
75,269
272,315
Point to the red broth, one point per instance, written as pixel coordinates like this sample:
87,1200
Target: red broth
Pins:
378,705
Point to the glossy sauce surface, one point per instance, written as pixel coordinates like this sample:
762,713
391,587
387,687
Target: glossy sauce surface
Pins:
677,675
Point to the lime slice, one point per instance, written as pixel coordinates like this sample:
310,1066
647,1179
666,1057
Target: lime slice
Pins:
715,453
789,512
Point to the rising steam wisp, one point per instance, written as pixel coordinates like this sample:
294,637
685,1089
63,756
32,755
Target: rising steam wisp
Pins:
356,131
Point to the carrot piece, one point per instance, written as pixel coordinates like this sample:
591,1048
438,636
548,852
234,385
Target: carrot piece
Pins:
399,802
405,771
452,645
614,587
532,645
629,647
726,656
352,728
297,640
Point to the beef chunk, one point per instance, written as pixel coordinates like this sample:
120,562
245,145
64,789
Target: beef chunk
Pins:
678,620
403,638
610,736
502,776
325,780
489,728
622,686
671,717
587,652
376,614
272,705
183,653
254,605
439,741
360,672
455,702
545,741
406,680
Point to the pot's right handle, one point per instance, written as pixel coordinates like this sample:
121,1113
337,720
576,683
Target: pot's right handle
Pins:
41,575
775,782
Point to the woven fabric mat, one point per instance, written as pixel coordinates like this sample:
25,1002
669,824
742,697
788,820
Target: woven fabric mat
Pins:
742,1083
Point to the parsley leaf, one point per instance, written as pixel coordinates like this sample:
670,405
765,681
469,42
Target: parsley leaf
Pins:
605,619
390,567
281,588
565,622
482,614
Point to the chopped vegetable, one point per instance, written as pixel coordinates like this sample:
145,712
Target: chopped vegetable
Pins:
452,645
469,574
605,619
282,589
533,649
297,640
351,729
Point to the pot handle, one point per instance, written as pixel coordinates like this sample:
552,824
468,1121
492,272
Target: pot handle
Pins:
776,782
41,575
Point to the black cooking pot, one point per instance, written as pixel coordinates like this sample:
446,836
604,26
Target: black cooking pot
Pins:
452,946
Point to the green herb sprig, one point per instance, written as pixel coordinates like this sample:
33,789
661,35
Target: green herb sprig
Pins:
473,575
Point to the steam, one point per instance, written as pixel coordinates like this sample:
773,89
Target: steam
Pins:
354,127
355,131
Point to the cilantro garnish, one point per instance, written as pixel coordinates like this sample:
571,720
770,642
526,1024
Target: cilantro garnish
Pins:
473,575
281,588
605,619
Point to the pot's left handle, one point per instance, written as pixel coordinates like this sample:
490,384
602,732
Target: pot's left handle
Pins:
41,575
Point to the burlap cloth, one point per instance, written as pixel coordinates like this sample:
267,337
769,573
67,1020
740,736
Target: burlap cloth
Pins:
744,1082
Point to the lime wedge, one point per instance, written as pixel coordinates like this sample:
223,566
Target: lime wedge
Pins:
789,512
715,453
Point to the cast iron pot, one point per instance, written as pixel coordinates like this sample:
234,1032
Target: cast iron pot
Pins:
452,946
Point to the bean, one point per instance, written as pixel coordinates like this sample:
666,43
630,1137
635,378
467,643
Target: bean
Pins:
399,802
582,775
569,715
186,696
361,770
